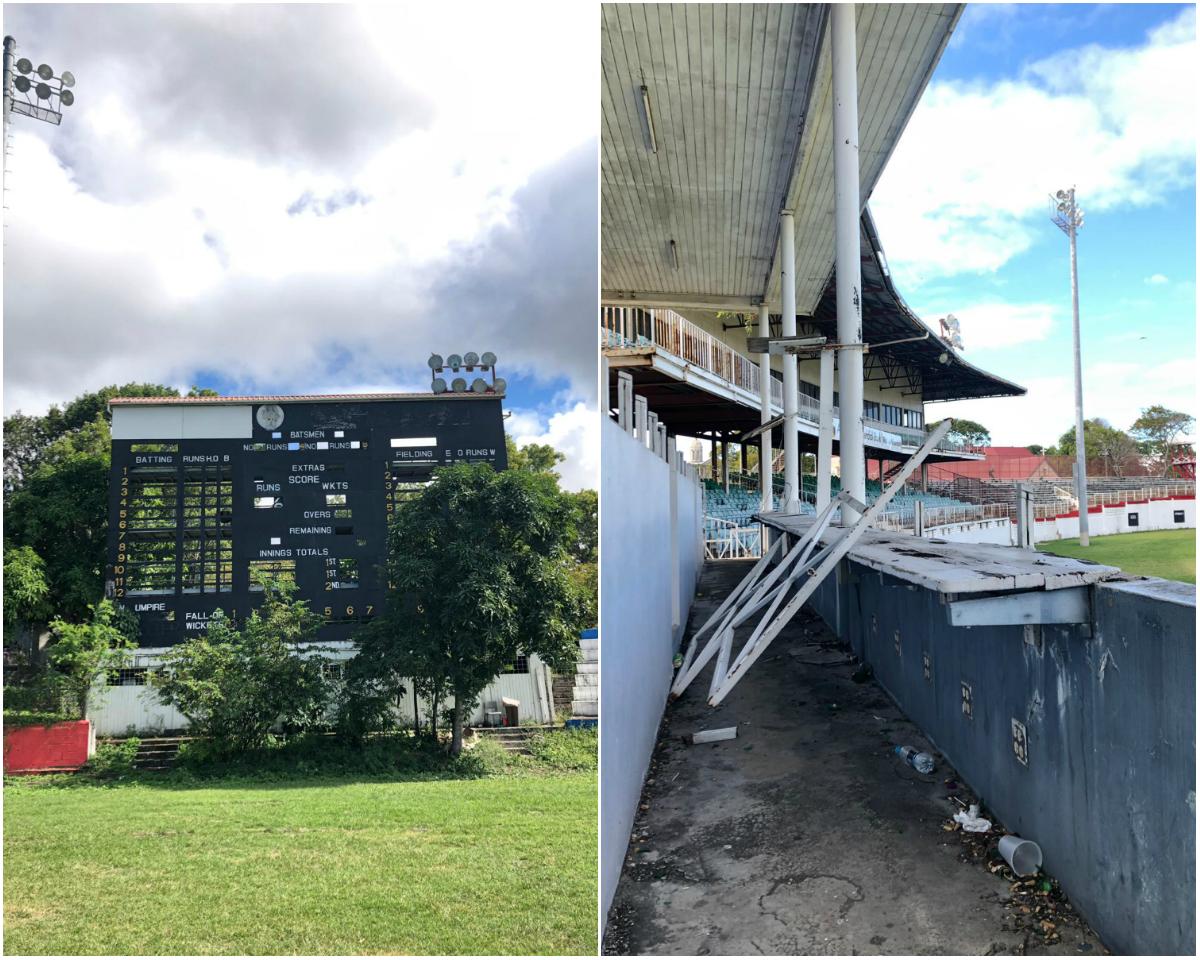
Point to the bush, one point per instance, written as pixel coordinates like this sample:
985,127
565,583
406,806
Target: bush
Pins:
573,748
236,686
114,759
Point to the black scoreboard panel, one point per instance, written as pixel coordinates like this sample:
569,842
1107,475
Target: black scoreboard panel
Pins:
307,501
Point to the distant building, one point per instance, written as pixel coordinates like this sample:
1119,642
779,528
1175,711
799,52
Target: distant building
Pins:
998,463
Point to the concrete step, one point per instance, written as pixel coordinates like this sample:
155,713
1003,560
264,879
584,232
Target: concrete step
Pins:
585,708
588,666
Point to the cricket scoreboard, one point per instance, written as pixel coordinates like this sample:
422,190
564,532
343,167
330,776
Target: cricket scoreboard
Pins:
206,492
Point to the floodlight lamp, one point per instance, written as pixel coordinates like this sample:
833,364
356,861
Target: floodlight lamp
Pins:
24,65
439,385
44,71
43,91
22,84
435,362
68,78
66,97
479,385
454,361
1062,208
944,358
1061,195
459,385
471,360
500,384
488,359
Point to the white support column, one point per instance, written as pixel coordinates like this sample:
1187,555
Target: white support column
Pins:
847,210
791,423
825,432
765,478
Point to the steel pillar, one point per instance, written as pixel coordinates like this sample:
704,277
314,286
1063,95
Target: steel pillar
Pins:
825,432
791,386
765,478
847,210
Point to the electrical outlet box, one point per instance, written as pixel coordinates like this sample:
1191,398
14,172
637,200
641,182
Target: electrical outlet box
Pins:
1020,742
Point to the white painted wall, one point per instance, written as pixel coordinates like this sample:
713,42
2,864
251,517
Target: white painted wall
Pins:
117,711
1152,515
1001,531
647,580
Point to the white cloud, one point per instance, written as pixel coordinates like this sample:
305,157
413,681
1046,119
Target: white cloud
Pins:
967,188
1116,392
575,433
161,238
992,325
1156,279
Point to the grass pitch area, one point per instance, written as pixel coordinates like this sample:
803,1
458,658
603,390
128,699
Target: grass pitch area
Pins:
493,865
1170,554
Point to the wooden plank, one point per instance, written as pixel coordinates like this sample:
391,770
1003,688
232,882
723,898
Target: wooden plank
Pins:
957,567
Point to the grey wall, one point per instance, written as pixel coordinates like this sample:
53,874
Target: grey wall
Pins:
651,559
1108,792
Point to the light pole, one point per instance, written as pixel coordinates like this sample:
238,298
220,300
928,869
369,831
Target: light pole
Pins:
1067,216
32,96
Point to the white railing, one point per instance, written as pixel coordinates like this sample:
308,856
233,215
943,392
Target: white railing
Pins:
633,328
1109,498
733,542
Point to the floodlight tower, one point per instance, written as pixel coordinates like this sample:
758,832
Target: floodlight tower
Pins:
1067,216
44,86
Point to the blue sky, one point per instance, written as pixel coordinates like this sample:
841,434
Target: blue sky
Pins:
1028,99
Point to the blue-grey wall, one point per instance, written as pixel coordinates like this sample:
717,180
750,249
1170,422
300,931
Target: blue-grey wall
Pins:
1108,792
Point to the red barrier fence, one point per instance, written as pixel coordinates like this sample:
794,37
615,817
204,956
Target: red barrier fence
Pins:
36,749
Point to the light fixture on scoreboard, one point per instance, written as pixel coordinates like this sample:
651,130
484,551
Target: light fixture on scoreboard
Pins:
470,360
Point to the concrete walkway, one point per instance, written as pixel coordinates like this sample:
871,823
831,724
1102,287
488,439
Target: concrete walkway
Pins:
806,835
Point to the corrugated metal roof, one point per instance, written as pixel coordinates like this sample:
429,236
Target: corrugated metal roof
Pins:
741,101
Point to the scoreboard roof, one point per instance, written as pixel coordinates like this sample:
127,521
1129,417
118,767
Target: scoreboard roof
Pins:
303,398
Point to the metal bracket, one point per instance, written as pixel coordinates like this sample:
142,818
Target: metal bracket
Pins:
800,568
1069,605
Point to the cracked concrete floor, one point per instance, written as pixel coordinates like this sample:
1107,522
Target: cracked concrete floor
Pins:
805,835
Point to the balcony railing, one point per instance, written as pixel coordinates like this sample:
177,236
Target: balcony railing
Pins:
632,327
626,327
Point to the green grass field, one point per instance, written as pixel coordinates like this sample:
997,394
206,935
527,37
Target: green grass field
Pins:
492,865
1170,554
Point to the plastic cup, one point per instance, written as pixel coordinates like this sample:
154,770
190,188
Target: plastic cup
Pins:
1024,856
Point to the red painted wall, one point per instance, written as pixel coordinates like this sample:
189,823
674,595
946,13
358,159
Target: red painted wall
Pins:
63,746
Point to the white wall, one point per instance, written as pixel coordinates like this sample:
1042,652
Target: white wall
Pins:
1001,531
1152,515
648,578
117,710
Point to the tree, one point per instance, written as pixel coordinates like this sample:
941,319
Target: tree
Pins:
235,685
478,570
82,653
967,432
533,457
1036,449
1160,429
26,594
1101,441
56,491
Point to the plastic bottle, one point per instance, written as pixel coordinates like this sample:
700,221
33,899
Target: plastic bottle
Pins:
921,762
